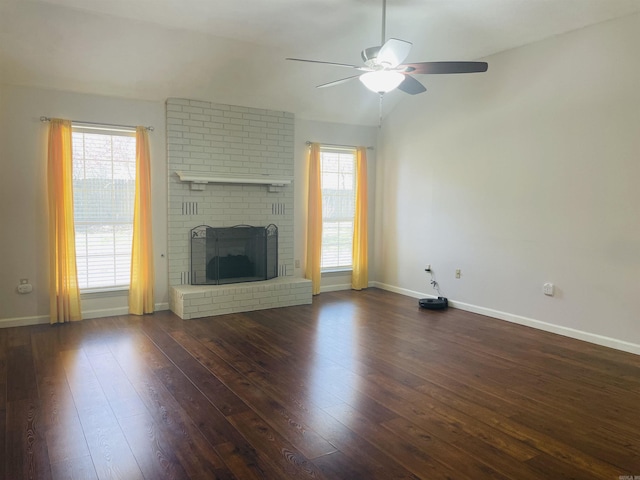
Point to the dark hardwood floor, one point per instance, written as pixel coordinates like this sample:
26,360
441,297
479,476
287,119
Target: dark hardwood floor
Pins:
359,385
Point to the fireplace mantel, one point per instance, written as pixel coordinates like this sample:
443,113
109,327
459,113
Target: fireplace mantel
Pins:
199,180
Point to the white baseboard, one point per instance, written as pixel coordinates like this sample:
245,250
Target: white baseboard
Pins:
113,312
87,314
529,322
509,317
23,321
401,291
104,312
335,288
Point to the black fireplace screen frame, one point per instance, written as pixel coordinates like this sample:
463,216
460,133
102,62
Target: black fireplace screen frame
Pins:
242,253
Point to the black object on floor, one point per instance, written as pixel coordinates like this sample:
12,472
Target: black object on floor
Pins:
439,303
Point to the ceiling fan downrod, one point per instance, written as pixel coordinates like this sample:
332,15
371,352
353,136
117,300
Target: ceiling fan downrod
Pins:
384,21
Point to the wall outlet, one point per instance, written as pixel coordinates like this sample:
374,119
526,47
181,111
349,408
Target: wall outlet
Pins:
25,288
458,273
297,263
547,289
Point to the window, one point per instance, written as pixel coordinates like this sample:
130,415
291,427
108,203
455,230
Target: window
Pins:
104,173
337,168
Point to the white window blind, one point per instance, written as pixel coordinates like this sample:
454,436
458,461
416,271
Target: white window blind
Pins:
338,207
104,172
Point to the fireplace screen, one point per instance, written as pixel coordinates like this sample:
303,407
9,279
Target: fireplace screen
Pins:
234,254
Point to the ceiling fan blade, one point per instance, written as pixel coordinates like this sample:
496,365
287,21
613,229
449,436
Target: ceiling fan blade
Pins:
445,67
393,52
411,86
328,63
337,82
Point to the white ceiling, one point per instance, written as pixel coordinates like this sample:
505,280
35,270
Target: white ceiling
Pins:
233,51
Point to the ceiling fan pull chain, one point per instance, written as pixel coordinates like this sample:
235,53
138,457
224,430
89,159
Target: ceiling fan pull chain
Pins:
380,117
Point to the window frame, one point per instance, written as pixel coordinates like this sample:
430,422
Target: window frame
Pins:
115,289
340,150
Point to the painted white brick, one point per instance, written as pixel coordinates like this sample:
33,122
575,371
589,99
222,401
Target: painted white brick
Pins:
196,103
213,112
178,101
226,139
197,136
199,117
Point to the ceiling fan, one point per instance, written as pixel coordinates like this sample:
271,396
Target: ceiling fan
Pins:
384,71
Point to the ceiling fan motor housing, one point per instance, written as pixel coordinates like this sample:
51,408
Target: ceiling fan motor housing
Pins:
369,55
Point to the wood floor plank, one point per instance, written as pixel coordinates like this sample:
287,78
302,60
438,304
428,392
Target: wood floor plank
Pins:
277,415
27,455
154,455
217,392
247,463
552,467
107,444
358,385
63,430
285,388
339,466
611,451
290,462
76,468
374,461
455,458
26,446
195,453
446,421
418,461
118,390
3,404
4,461
212,424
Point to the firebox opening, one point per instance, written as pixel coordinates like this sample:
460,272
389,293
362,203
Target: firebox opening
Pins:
233,254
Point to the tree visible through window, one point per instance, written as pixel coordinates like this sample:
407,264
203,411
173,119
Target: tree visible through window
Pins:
104,173
338,207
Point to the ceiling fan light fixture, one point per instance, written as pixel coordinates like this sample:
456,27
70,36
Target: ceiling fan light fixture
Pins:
382,81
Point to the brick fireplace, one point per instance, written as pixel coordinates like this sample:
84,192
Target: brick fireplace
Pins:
227,166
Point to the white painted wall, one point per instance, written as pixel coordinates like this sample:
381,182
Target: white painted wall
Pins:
335,134
520,176
23,193
23,207
524,175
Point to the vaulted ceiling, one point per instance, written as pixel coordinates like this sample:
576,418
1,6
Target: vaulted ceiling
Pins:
233,51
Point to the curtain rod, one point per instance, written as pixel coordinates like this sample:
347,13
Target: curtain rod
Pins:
308,143
48,119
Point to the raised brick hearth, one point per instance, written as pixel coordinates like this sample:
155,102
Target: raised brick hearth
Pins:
196,301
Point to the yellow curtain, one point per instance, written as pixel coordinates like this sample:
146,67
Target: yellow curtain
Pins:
360,272
314,220
141,298
64,294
